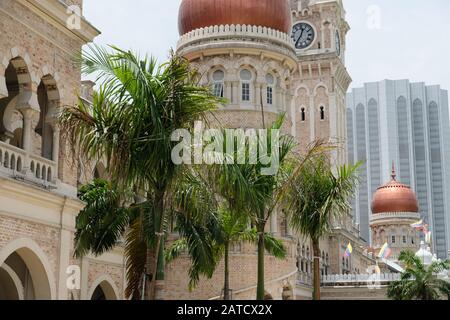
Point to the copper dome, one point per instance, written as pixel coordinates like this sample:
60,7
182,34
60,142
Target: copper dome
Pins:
394,197
195,14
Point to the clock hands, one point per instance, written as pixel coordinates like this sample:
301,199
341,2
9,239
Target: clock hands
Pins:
303,35
299,38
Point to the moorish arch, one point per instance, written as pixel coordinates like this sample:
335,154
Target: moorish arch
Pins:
28,261
321,88
11,287
104,288
100,171
18,83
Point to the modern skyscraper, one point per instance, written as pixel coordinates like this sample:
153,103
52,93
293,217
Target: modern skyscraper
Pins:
408,124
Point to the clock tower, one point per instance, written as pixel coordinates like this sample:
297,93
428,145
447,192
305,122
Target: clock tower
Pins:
319,86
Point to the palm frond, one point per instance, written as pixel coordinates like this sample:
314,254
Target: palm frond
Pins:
101,224
274,246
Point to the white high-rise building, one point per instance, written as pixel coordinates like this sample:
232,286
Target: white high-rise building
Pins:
407,124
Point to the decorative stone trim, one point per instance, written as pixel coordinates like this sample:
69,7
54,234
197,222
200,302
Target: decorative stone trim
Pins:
394,215
217,33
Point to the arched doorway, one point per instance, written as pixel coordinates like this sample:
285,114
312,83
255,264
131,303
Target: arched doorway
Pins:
11,287
103,289
25,273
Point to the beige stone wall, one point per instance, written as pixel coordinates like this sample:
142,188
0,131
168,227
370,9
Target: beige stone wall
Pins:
45,236
47,50
35,222
346,293
97,269
243,275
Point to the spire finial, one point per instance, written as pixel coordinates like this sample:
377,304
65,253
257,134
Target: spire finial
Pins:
394,175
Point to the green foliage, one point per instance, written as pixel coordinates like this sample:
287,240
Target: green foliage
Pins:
102,222
129,124
317,195
419,282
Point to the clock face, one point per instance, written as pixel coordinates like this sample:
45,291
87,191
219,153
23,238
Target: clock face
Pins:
338,43
303,35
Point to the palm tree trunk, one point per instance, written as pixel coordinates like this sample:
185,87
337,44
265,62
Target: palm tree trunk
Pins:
260,291
157,273
226,286
316,250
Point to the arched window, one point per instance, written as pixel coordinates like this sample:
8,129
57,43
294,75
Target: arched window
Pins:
322,113
270,85
218,78
246,78
303,114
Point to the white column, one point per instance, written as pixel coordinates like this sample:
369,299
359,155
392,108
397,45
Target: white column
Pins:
27,104
312,118
3,88
236,92
67,224
27,128
228,91
258,95
288,227
274,223
55,150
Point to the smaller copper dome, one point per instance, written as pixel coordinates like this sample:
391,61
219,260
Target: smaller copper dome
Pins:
394,197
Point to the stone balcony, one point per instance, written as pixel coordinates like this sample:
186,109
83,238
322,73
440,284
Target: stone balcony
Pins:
18,164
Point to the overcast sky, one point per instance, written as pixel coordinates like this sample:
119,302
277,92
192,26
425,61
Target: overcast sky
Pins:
389,39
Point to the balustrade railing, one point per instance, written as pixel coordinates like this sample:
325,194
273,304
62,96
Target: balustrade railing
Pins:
230,31
17,163
354,279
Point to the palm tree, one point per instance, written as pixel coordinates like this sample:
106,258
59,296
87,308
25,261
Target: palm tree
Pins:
260,193
130,122
257,191
317,196
419,282
230,228
106,219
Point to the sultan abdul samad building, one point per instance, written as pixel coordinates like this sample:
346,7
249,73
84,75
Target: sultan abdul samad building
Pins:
287,56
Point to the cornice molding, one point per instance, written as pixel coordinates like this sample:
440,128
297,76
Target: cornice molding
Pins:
56,13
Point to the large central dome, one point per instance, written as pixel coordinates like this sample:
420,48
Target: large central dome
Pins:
195,14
